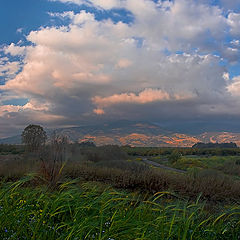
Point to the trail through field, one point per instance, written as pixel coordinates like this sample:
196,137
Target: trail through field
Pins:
145,160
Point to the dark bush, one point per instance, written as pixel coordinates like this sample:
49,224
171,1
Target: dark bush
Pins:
237,162
103,153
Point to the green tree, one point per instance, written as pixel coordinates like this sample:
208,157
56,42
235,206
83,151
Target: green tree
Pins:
33,136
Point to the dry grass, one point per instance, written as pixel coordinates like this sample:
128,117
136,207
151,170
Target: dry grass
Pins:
212,185
134,176
14,167
231,168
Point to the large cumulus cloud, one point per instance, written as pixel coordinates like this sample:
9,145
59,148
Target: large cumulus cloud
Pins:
166,62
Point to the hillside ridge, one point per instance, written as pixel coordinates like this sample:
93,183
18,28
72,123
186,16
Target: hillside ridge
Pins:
136,134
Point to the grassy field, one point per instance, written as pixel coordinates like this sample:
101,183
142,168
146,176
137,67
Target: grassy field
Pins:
94,211
229,165
104,193
225,161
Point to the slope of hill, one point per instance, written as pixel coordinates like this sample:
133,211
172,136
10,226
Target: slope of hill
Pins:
220,137
11,140
136,134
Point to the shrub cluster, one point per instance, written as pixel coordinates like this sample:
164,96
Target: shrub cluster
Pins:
155,151
211,184
103,164
11,149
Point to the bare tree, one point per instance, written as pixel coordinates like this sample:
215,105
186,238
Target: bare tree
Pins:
53,159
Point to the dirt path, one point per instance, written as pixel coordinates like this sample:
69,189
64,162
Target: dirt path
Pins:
145,160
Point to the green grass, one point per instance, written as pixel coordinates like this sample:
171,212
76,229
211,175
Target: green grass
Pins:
224,164
201,162
93,211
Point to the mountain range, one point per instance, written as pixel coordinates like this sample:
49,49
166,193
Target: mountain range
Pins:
135,134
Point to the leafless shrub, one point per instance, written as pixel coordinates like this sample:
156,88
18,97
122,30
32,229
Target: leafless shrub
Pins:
53,158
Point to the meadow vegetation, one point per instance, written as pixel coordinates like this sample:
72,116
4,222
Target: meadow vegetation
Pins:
80,191
93,211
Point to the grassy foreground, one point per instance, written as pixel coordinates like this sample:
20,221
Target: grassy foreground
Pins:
88,211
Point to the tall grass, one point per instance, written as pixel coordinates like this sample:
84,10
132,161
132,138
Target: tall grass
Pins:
134,176
15,167
213,186
90,211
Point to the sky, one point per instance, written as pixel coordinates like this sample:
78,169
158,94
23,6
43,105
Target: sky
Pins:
76,62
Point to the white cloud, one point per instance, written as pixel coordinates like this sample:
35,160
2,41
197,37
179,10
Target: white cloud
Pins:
234,87
107,4
8,109
180,25
99,111
19,30
9,69
234,22
123,63
103,4
14,50
92,65
79,18
79,2
146,96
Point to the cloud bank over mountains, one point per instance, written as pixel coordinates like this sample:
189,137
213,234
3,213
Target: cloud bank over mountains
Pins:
171,60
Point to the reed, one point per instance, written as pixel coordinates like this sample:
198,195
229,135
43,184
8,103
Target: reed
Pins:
92,211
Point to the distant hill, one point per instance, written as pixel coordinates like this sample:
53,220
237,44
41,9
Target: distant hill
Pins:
136,134
11,140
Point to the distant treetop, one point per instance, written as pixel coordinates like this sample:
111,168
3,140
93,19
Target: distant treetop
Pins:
87,144
33,136
215,145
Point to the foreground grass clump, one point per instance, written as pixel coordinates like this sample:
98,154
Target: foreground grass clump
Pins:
89,211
